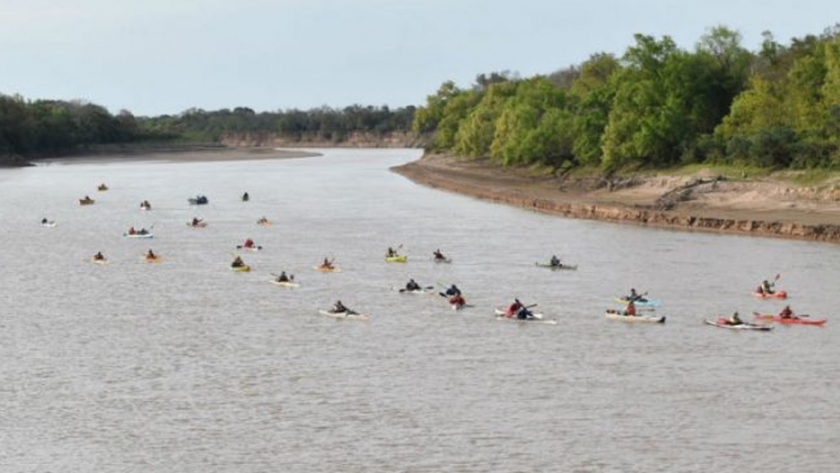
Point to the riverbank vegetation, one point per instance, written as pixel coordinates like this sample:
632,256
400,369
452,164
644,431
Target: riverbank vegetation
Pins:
657,106
39,128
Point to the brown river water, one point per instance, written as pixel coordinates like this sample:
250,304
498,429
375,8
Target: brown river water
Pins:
185,366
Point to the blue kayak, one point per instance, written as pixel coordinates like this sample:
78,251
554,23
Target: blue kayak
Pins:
643,302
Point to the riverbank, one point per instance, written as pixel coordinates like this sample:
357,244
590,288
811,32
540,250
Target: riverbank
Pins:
180,155
702,201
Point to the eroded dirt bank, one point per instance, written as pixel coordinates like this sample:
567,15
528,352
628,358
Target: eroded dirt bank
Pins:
701,202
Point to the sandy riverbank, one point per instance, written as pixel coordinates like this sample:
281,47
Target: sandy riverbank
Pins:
701,202
182,155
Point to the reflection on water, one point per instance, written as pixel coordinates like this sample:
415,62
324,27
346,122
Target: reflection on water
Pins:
185,366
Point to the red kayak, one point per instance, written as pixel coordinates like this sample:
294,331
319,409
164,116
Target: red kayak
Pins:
793,320
772,295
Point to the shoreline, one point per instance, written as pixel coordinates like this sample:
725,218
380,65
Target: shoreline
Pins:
179,155
704,203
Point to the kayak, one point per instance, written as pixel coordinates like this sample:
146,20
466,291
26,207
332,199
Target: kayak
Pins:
617,315
348,314
396,259
640,302
789,321
328,269
403,290
197,225
99,261
198,200
145,207
156,259
288,284
264,223
457,307
86,201
49,224
249,248
502,314
102,188
240,269
772,295
138,235
721,322
571,267
442,260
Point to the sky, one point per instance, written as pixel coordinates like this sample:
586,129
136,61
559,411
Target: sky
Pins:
156,57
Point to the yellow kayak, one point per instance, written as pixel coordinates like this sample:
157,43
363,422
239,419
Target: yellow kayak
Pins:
396,259
240,269
328,269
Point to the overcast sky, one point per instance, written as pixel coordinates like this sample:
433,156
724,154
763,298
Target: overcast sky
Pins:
157,57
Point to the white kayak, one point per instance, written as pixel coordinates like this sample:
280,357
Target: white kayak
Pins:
252,249
617,315
138,235
349,314
744,326
289,284
48,224
501,314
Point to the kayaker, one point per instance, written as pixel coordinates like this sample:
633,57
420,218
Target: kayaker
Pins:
734,319
514,308
766,287
555,261
390,253
237,263
284,277
196,221
327,264
151,254
131,231
630,309
249,243
636,297
245,197
524,314
452,291
262,220
143,231
786,313
438,255
99,256
44,221
412,285
338,308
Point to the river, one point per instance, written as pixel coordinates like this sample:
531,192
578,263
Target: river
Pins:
185,366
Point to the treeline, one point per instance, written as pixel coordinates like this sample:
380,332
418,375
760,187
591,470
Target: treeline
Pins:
53,127
655,106
324,124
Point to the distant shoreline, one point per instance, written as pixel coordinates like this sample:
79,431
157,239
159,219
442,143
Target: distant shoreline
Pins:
180,155
764,207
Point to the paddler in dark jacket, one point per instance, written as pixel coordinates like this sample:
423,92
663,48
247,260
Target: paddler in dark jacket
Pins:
338,308
786,313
